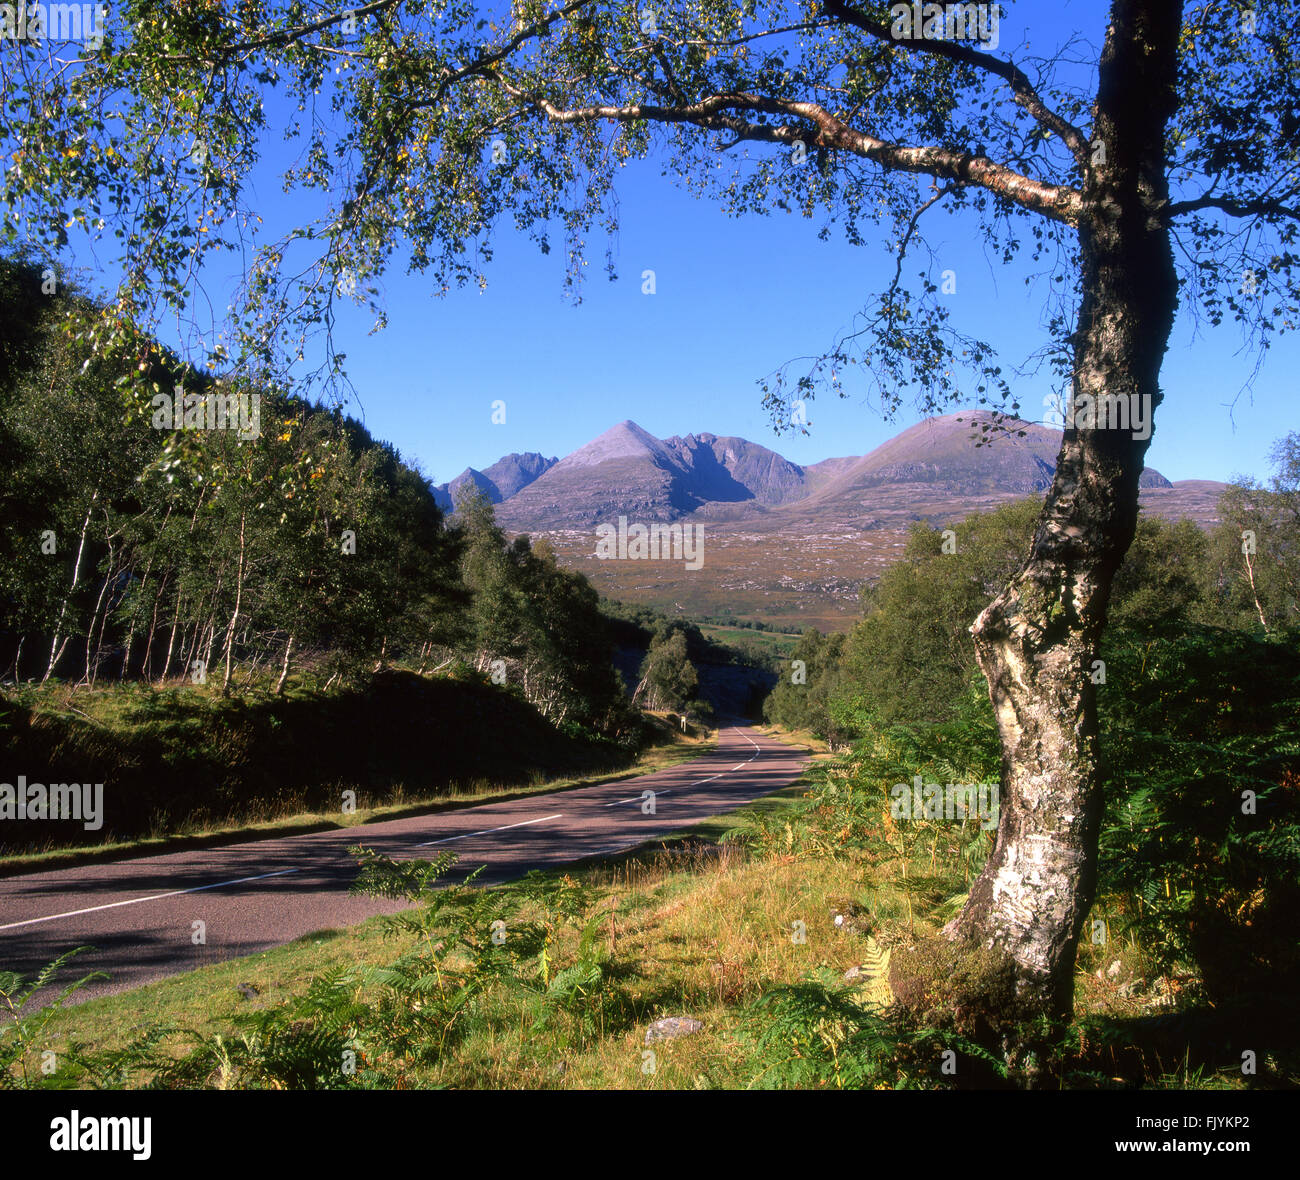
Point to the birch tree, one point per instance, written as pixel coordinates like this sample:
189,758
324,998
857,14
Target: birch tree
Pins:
1151,159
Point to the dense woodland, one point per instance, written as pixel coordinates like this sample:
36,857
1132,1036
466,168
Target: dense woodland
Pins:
132,553
911,657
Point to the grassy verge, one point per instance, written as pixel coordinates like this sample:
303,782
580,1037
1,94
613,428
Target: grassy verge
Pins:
656,899
804,738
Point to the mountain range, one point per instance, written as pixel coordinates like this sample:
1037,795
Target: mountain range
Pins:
784,539
499,482
628,471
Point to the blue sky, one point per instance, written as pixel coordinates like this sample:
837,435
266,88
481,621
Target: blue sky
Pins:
735,299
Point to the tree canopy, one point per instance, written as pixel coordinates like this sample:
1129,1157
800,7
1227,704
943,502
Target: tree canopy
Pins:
415,130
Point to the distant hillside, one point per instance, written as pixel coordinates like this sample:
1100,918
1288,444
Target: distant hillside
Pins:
1195,499
1020,458
499,482
939,461
787,544
627,471
764,475
943,451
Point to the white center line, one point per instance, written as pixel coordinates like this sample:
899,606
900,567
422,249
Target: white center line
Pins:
698,782
112,905
284,872
639,798
541,819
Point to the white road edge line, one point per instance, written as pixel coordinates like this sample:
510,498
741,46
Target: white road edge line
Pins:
541,819
112,905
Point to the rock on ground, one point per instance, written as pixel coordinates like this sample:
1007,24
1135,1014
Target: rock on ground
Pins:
672,1026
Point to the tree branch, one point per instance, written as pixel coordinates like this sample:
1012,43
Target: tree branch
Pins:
286,36
1254,207
906,238
1021,88
1058,202
483,64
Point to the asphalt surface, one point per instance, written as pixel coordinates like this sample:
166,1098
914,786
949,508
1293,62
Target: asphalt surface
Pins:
139,915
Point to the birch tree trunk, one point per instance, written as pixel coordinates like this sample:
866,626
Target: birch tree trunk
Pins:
135,611
92,668
56,650
171,641
284,668
147,662
1036,642
234,618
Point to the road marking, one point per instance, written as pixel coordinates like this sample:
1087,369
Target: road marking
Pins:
112,905
284,872
625,847
698,782
638,798
487,831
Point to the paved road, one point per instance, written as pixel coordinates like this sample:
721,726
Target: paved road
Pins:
139,914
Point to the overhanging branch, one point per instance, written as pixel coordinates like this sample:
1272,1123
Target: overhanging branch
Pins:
1022,89
1253,207
717,112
